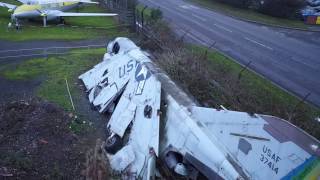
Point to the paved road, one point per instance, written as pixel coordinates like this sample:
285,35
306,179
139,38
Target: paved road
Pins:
291,59
20,50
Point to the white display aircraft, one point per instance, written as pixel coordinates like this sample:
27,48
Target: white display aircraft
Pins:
153,120
48,9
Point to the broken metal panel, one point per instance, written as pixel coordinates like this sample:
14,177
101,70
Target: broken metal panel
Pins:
178,127
146,126
112,80
123,115
106,95
101,71
122,159
92,77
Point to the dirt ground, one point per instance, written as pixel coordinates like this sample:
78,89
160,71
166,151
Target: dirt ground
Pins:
36,143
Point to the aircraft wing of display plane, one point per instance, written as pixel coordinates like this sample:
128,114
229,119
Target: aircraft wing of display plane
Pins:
48,10
6,5
153,120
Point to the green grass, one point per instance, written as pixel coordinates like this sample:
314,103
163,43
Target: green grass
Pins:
90,21
250,14
35,31
56,69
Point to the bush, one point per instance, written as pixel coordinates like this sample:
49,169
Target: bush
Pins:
237,3
156,14
280,8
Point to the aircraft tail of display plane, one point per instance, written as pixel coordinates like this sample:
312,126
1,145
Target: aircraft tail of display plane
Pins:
48,10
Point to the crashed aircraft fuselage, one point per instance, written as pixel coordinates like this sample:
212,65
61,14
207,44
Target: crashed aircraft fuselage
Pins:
152,118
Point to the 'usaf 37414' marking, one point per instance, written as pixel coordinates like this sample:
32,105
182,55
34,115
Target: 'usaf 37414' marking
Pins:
270,158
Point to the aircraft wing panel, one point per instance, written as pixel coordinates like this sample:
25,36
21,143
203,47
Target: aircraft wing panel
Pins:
6,5
25,1
146,126
123,114
144,136
72,14
88,2
92,77
266,147
140,101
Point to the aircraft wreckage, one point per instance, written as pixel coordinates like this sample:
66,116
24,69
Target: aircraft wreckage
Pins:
154,120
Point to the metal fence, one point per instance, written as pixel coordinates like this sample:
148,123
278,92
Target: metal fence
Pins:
125,10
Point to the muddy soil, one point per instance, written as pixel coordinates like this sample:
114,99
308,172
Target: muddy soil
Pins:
36,143
35,139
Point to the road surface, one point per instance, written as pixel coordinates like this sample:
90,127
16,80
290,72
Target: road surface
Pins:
289,58
10,51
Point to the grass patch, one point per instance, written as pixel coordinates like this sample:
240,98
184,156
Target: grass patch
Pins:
252,93
91,21
56,69
250,14
35,31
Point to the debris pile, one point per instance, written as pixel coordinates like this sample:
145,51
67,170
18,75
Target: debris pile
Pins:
153,120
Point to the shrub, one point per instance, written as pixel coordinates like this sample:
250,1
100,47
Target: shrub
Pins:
280,8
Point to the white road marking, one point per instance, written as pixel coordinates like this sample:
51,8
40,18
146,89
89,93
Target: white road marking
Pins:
255,42
222,27
187,6
28,55
50,48
198,17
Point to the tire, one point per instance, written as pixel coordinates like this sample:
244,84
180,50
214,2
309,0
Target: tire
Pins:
113,144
